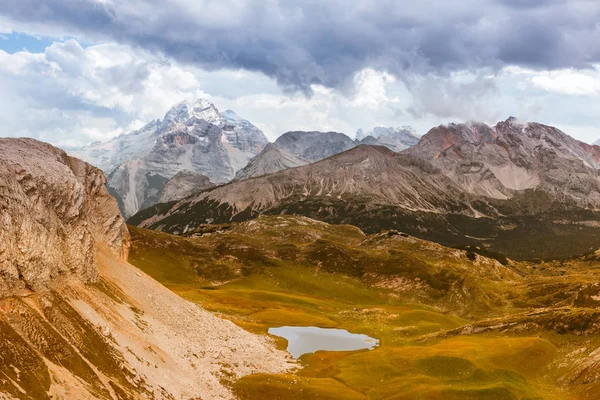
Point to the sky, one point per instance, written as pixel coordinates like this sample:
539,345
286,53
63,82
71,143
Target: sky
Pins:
73,72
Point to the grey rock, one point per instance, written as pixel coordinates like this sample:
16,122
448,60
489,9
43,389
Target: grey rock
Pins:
293,149
396,139
193,137
511,157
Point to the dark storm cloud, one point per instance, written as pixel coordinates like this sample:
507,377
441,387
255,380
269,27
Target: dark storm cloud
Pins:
303,42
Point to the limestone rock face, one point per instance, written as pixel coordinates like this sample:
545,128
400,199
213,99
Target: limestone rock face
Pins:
511,157
55,212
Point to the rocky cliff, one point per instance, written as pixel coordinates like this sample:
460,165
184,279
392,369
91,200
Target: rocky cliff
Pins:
76,320
55,212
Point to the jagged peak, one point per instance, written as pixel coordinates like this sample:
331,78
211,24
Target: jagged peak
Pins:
379,131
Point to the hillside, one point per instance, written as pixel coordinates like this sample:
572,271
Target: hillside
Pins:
375,189
76,320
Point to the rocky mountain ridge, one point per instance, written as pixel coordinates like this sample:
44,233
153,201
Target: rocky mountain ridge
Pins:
360,183
511,157
293,149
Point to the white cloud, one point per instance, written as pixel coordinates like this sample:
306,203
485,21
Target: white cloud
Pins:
70,95
564,81
568,82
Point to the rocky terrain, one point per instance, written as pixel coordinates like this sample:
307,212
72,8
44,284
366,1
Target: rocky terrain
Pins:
194,137
396,139
78,321
512,157
374,188
360,186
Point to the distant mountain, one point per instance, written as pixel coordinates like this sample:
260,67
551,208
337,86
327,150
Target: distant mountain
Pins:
597,142
272,159
361,184
293,149
526,190
511,157
396,139
193,137
183,184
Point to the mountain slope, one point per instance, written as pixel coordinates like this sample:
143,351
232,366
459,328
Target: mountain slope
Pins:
479,327
194,137
272,159
362,183
512,157
293,149
76,320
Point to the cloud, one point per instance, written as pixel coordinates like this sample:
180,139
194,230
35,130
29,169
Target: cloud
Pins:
464,96
302,43
70,95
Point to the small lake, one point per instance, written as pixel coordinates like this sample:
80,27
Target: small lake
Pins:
304,340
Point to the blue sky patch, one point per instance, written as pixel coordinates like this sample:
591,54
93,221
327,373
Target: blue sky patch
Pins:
18,41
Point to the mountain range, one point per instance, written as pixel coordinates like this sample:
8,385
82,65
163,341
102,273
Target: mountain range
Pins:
210,147
513,187
459,184
396,139
512,157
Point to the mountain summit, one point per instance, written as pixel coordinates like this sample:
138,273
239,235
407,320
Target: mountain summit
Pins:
194,137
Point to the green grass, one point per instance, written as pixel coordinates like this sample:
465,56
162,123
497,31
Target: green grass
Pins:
405,292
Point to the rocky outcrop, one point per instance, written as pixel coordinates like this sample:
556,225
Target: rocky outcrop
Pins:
194,137
76,320
55,212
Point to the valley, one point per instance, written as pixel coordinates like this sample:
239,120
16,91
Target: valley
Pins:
451,324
